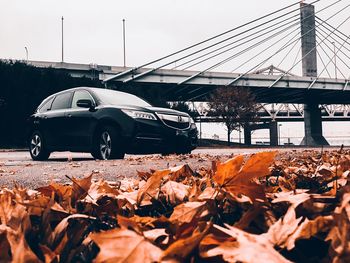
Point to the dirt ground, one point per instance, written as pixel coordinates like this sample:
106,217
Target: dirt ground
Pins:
16,167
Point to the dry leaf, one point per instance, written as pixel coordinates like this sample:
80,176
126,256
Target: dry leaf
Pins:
175,192
237,179
239,246
122,245
310,228
186,212
180,173
280,232
151,188
181,248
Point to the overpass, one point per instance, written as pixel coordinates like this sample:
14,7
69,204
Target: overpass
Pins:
290,89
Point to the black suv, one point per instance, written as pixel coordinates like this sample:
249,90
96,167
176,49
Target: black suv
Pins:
108,124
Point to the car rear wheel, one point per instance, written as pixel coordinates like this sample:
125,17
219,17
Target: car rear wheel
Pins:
108,144
37,147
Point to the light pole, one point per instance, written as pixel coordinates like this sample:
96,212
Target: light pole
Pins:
279,134
62,36
26,53
124,43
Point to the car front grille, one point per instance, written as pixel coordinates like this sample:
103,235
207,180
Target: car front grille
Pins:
175,121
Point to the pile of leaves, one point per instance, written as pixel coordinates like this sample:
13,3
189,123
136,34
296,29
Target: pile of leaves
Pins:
266,207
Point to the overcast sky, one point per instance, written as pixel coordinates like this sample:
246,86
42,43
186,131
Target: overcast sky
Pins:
93,29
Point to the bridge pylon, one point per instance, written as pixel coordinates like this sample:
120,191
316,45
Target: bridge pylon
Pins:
312,112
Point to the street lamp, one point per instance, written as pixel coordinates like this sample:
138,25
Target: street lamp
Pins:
124,43
62,37
279,134
26,53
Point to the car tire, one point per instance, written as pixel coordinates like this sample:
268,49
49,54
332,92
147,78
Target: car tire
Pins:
107,144
37,147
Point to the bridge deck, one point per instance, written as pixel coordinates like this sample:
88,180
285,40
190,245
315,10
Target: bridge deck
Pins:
290,89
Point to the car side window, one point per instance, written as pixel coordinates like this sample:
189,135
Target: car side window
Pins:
62,101
46,106
80,95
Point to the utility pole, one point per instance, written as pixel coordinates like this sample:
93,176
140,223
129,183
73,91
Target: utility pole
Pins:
62,36
124,43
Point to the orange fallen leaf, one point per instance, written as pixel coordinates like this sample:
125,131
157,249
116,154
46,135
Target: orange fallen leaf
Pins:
175,192
180,173
239,246
227,170
151,188
157,235
122,245
186,212
237,179
310,228
279,232
80,187
181,248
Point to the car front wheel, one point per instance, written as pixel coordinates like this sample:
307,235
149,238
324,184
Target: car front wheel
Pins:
37,147
108,145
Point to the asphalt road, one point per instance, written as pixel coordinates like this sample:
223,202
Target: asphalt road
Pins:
16,167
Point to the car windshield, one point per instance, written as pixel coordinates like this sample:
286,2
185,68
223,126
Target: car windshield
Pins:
120,98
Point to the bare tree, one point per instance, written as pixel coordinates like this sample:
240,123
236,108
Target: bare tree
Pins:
236,106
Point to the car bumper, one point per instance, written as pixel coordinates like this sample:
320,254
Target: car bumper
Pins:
155,137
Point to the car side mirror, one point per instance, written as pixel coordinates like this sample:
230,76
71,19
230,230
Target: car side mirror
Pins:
85,104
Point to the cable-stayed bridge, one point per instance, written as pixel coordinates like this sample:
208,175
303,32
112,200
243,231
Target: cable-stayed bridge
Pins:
307,41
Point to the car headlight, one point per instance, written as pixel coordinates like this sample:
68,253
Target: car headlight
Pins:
140,114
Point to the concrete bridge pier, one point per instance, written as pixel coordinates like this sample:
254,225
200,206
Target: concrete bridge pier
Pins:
247,135
312,111
313,126
272,126
273,133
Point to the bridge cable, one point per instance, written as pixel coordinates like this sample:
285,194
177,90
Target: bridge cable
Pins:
296,57
261,30
324,65
325,24
288,53
334,39
281,49
152,70
346,64
208,53
234,56
331,59
205,48
201,72
247,41
314,47
205,41
291,40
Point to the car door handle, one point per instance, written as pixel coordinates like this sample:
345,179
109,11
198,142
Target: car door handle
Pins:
45,117
69,115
